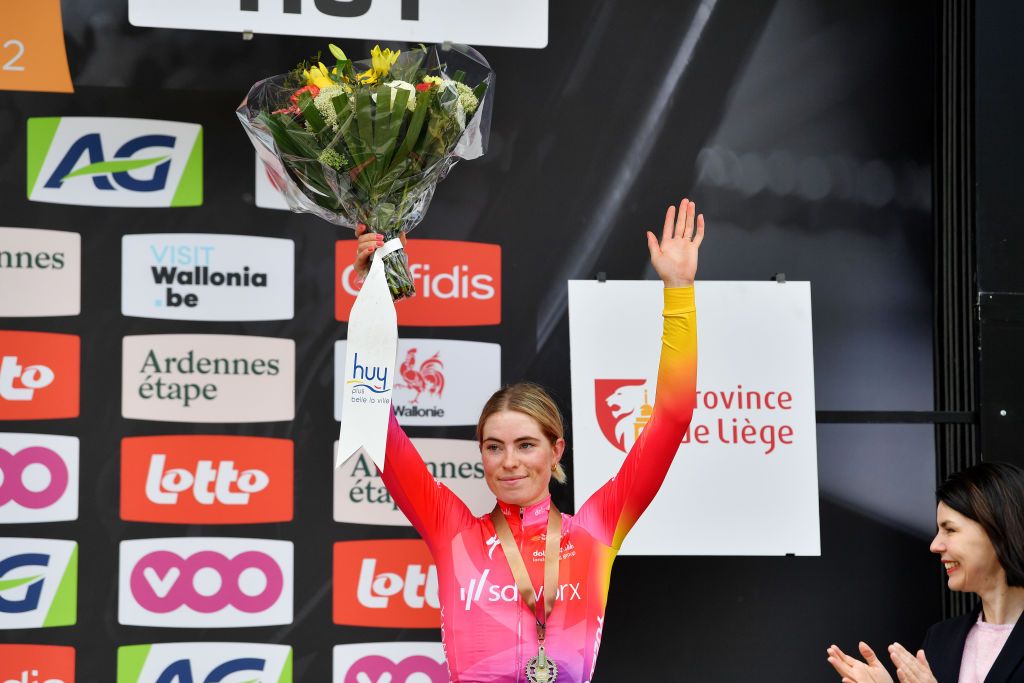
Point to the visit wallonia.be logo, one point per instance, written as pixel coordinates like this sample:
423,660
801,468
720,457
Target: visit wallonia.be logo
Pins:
45,268
436,382
185,276
39,375
208,378
205,582
389,583
204,663
206,479
37,664
361,498
457,283
98,161
395,662
38,582
39,478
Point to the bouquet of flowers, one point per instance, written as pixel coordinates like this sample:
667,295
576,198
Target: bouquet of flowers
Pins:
367,142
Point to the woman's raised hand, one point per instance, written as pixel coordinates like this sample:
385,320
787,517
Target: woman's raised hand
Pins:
910,669
853,670
366,243
675,256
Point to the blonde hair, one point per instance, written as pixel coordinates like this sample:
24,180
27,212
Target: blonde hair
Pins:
532,400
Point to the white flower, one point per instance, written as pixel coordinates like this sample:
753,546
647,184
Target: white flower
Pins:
403,85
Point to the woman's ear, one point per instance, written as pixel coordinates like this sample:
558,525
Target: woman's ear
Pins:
558,448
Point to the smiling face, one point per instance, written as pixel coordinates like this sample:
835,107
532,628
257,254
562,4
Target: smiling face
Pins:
518,458
966,552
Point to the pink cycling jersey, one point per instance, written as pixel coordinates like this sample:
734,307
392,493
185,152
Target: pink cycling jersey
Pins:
488,633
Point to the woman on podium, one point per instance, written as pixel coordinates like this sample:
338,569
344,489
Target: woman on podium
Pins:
523,589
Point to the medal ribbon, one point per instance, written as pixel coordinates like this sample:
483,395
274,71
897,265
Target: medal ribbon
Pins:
515,562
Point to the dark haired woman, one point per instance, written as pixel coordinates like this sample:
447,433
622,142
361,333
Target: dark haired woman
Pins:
980,542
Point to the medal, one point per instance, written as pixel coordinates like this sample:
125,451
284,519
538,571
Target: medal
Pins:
540,669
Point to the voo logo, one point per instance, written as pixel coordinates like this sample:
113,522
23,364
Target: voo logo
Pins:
417,588
13,467
209,485
29,378
335,8
164,581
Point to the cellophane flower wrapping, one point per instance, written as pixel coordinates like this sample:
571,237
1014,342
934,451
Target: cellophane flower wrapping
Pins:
367,142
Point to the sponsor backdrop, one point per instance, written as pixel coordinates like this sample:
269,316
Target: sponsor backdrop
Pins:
169,336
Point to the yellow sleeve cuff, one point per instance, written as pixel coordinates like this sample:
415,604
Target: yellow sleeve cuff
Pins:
679,300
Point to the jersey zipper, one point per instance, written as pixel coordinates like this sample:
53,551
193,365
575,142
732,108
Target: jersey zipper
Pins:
519,605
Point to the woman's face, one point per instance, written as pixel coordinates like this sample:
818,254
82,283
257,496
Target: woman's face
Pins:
966,552
518,458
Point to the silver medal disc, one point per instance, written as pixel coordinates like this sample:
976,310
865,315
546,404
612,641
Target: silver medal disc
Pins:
536,674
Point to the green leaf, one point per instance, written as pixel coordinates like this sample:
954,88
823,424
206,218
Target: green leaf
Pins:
398,111
459,76
415,126
311,113
338,53
479,91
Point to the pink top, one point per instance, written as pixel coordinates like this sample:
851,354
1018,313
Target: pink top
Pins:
984,643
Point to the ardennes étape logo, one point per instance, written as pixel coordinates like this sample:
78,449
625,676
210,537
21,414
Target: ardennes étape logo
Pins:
396,662
102,161
40,478
192,276
43,268
208,378
38,582
204,663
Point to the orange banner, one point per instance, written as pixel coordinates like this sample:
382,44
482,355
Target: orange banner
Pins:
32,54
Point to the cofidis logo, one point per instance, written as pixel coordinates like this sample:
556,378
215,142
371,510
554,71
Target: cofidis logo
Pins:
115,162
37,664
208,378
392,584
38,582
39,478
457,283
207,277
192,479
204,663
39,375
205,582
361,498
396,662
437,382
44,269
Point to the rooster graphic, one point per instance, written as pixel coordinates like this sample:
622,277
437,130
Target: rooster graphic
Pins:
429,376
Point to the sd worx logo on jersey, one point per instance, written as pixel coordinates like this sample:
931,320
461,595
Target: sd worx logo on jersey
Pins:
204,663
38,478
195,479
95,161
205,582
38,582
37,664
391,584
39,375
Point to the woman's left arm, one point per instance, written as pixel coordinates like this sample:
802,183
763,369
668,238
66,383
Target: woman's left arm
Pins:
617,505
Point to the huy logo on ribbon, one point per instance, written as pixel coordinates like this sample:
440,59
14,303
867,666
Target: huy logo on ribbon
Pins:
37,664
391,584
206,479
98,161
205,582
395,662
38,582
45,268
38,478
204,663
457,283
39,375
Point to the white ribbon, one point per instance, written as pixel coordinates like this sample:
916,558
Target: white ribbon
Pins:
369,367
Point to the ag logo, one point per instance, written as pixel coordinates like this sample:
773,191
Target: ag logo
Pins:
39,478
205,582
623,409
37,664
390,662
115,162
204,663
38,582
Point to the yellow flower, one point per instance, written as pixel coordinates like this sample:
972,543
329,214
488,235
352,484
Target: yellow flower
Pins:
319,76
382,61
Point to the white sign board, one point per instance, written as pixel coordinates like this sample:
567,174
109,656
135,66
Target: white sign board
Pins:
744,481
523,23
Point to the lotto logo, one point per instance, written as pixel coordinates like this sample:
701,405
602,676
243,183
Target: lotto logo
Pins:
403,662
205,582
457,283
38,375
38,478
206,479
37,664
204,663
38,582
390,583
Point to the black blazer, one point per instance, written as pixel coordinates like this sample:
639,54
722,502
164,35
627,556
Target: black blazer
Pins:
944,647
